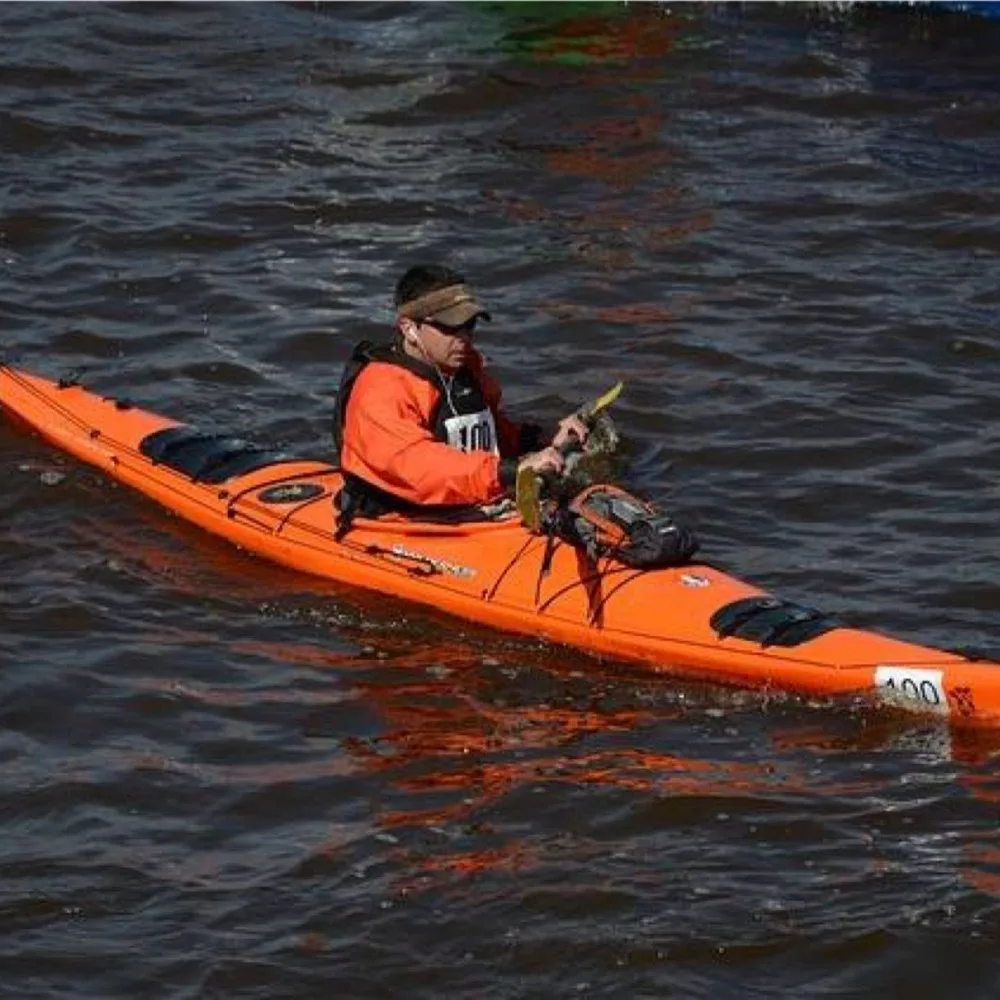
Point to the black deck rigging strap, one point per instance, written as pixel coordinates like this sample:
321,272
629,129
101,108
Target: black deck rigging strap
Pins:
772,621
208,458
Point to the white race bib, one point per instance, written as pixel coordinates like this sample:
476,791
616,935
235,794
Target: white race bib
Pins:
472,432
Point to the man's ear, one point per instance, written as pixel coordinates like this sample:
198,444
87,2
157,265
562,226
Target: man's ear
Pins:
409,330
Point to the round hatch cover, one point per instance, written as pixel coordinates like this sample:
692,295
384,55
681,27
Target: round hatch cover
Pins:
290,492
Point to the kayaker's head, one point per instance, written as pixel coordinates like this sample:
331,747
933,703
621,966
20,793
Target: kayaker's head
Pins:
436,315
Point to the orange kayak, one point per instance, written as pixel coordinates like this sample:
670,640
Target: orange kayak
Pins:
694,621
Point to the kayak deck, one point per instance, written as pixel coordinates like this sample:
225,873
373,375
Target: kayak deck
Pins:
693,621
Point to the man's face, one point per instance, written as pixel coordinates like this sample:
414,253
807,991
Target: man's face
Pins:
448,347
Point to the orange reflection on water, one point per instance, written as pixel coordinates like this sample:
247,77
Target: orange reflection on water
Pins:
453,745
633,313
648,31
615,169
614,136
613,233
620,151
482,782
982,857
514,856
466,746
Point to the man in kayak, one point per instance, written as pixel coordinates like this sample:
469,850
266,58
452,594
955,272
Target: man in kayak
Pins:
418,425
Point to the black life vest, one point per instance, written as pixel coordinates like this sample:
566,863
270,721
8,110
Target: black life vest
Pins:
460,418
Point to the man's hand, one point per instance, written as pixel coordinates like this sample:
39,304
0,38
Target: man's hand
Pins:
571,429
546,460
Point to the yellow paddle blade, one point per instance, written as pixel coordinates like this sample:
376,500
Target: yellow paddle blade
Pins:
526,498
591,410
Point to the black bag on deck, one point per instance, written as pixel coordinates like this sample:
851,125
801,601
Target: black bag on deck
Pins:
607,521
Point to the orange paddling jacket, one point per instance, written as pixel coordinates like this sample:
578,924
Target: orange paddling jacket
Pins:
411,439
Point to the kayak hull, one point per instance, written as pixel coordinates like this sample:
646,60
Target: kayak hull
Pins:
694,621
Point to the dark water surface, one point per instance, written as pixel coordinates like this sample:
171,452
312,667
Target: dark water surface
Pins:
780,227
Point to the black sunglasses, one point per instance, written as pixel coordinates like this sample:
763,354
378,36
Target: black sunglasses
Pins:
467,329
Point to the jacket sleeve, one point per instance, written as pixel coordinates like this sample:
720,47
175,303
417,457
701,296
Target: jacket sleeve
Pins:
388,442
514,439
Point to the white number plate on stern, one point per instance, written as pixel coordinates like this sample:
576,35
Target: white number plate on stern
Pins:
912,687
